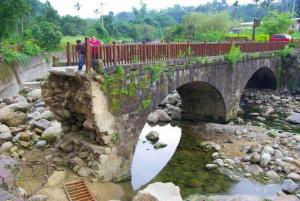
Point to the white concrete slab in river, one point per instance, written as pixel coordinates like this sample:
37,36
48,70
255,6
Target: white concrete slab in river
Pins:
147,161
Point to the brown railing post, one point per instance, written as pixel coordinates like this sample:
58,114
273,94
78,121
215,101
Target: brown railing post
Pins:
143,52
88,62
69,53
114,52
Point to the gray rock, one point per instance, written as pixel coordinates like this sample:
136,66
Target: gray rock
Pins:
219,162
37,198
158,116
42,124
210,166
273,175
253,169
153,136
293,118
294,176
255,157
176,114
268,149
265,158
5,137
160,145
4,129
41,143
67,147
21,107
52,133
286,198
159,192
289,186
83,172
35,95
256,148
46,115
5,147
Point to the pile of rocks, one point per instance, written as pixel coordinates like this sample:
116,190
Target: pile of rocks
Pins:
25,123
169,109
153,137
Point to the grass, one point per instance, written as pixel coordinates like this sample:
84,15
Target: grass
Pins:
296,35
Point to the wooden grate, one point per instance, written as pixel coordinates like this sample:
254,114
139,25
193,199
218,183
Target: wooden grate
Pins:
78,191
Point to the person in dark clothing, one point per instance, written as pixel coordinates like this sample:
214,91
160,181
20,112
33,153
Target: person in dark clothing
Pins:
81,49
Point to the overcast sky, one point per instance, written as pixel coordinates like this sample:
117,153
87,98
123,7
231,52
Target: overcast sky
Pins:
65,7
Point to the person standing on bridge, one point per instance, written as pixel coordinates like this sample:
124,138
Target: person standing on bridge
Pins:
81,49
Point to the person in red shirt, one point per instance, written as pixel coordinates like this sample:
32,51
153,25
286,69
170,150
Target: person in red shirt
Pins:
94,42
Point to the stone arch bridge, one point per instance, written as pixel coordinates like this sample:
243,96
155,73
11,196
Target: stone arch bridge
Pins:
106,116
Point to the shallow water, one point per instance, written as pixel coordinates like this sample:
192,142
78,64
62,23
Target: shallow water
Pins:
183,163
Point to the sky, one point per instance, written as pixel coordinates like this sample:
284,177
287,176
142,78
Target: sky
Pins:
65,7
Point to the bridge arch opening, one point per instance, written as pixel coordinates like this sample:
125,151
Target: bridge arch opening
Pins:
202,101
263,78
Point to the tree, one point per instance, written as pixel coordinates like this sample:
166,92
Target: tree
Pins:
203,23
72,26
275,22
297,8
47,35
11,13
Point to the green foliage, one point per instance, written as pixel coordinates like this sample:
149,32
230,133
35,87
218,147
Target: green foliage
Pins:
156,70
195,23
186,54
234,55
31,48
11,55
73,26
114,137
146,103
47,35
286,51
211,36
276,23
201,60
262,38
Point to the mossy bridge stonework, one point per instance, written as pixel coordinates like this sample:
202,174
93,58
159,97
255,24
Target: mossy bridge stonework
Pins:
105,114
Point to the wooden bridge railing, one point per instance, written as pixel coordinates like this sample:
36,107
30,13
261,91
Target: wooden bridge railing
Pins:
116,54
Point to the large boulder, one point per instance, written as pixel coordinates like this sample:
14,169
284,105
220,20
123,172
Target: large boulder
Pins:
11,118
52,132
158,116
5,147
293,118
20,106
159,192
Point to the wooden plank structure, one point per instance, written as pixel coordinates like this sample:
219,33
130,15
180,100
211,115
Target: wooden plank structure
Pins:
78,191
120,54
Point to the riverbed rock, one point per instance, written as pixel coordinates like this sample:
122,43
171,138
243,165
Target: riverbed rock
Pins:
41,144
160,145
286,198
42,124
255,158
294,176
83,172
293,118
37,198
289,186
235,198
4,129
34,95
153,136
158,116
271,174
56,178
5,147
265,158
176,114
210,166
219,162
11,118
5,137
159,192
24,136
52,133
21,107
253,169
